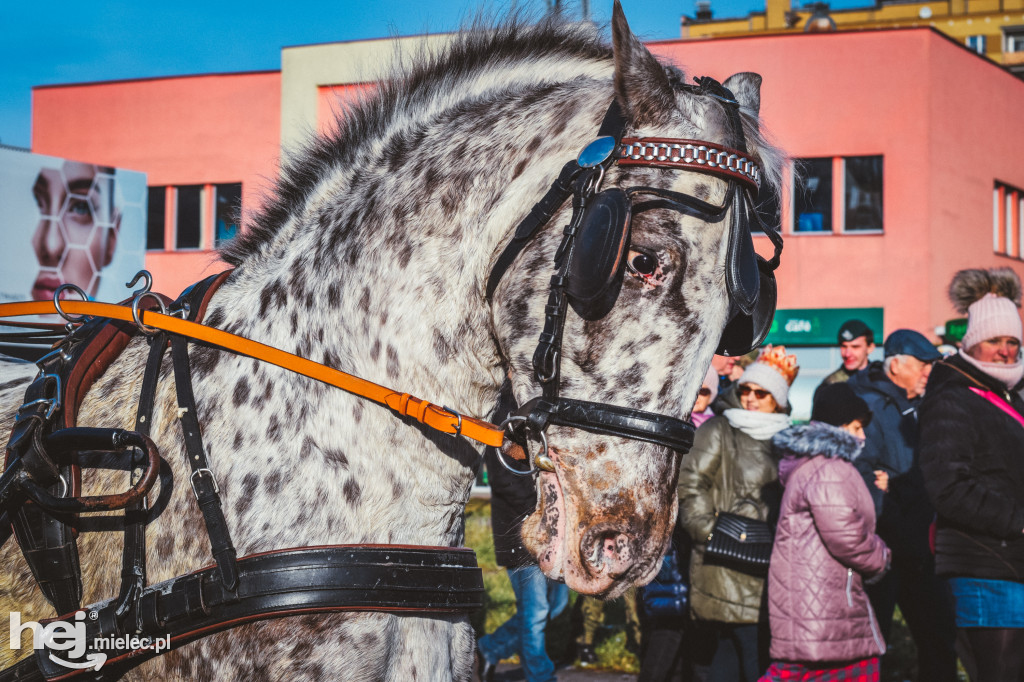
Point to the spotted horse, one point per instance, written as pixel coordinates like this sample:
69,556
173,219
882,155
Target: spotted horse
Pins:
402,249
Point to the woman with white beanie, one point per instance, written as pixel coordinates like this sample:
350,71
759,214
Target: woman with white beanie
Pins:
731,468
972,458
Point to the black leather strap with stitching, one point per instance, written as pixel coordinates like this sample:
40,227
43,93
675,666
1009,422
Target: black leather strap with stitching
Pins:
202,480
394,579
611,420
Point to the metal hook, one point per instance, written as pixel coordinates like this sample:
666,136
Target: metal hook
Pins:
141,274
73,319
149,331
593,181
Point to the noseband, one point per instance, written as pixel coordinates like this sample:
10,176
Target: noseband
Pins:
590,264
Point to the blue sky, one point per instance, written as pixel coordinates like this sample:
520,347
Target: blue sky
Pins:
59,41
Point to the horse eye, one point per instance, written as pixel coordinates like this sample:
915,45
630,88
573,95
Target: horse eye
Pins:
642,263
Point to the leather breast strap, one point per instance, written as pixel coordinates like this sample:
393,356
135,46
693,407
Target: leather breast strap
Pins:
393,579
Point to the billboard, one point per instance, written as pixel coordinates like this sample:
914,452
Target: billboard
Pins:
68,222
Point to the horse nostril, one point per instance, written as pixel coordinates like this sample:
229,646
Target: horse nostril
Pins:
607,550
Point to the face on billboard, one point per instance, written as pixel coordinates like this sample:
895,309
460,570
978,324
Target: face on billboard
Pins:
68,222
76,235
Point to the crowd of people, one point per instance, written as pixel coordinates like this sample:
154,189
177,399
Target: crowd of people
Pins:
905,488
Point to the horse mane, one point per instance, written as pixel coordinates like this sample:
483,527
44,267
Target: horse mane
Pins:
406,92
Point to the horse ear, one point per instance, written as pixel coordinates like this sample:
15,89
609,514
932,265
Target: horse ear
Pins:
641,84
747,88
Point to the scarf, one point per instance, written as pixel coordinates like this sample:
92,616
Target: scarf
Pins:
757,425
699,418
1007,374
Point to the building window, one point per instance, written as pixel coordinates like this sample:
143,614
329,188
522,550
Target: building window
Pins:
862,193
194,208
227,212
813,196
976,44
155,218
1013,39
189,217
1007,219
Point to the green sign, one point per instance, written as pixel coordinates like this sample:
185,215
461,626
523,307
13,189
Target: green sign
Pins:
820,326
955,330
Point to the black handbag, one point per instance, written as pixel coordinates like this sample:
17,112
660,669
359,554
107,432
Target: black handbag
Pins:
739,542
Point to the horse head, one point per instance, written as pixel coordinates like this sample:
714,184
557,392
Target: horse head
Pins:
660,263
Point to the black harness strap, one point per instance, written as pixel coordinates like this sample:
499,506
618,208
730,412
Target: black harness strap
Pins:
204,485
393,579
133,558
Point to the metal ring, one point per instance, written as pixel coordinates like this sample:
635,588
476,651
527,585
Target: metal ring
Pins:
531,461
74,319
149,331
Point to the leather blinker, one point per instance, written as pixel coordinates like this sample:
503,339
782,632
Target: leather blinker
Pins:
744,332
741,272
598,258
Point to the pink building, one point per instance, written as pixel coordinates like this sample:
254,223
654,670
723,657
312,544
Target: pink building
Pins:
203,141
910,147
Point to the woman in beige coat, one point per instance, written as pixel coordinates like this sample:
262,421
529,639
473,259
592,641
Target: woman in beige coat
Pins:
731,468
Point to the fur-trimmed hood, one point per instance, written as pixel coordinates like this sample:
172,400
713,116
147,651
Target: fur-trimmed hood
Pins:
813,439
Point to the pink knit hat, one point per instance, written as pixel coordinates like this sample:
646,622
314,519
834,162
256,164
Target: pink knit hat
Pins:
990,316
991,299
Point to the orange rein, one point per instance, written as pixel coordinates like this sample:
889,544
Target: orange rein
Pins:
403,403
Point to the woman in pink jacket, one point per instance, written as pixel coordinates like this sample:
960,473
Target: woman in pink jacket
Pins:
822,625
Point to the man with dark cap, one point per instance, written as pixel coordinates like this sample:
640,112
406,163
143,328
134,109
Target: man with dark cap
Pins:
889,464
856,343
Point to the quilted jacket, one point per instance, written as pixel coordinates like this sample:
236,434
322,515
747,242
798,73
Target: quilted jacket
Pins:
825,545
719,593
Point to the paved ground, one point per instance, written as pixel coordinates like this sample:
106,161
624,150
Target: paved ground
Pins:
508,672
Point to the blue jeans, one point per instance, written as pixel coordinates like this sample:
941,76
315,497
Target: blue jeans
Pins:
538,600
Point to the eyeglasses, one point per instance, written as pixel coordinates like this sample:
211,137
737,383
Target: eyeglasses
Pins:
761,394
704,392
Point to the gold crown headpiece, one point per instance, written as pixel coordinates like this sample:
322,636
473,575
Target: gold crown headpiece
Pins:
776,358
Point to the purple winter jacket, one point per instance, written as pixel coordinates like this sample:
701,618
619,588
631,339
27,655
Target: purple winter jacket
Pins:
825,545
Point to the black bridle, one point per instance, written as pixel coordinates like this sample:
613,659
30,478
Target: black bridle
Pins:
590,284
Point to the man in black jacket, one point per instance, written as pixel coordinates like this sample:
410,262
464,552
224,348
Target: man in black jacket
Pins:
538,598
889,465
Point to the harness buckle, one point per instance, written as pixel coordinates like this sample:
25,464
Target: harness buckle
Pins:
53,403
458,427
198,472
